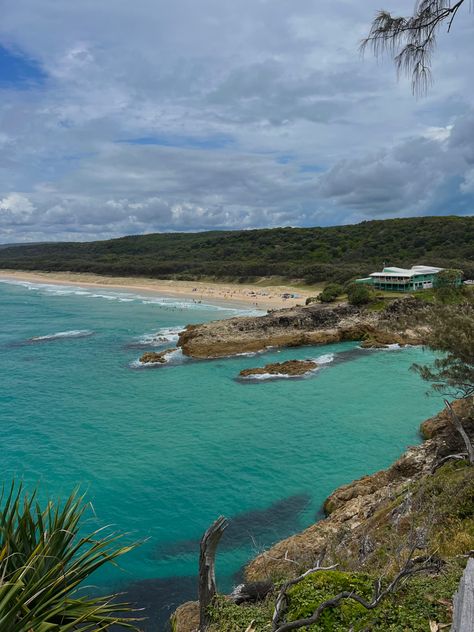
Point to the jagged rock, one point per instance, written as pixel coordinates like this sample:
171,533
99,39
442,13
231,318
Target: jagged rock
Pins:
290,367
155,357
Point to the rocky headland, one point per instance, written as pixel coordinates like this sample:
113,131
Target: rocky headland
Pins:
400,322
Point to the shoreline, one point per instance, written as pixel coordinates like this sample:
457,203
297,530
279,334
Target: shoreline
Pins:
234,294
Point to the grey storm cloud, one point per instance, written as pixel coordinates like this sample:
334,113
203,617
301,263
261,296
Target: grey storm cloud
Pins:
152,116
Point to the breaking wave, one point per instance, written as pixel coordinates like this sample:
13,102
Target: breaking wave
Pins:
129,297
73,333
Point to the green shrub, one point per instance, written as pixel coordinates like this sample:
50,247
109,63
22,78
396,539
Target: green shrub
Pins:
330,293
359,294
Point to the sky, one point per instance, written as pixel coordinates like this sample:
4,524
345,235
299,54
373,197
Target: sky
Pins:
121,117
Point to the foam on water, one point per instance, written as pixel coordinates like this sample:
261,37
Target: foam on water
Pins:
129,297
161,336
326,358
73,333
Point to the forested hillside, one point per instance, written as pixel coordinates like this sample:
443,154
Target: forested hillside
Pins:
311,254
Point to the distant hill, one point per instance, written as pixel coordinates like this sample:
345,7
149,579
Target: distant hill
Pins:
311,254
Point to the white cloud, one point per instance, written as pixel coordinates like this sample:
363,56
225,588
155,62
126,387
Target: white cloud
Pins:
16,209
263,113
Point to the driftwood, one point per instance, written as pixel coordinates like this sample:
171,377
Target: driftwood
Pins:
207,573
459,427
463,602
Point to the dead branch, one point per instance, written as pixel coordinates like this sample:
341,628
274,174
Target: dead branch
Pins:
456,457
459,427
207,573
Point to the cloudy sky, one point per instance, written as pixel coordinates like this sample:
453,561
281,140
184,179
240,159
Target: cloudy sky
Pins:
121,117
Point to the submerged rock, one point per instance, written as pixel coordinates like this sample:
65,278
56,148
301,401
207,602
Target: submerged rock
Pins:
290,367
155,357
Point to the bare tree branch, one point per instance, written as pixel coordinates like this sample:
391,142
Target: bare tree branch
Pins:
281,602
459,427
409,569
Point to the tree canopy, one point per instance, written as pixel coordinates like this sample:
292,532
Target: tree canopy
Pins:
452,334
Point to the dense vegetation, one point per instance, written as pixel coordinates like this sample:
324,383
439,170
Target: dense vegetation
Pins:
312,254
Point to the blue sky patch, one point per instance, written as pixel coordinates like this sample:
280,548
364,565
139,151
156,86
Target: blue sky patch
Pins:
18,71
184,142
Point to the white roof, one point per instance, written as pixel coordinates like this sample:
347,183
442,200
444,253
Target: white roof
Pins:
407,273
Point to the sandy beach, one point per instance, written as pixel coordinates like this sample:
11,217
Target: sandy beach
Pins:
258,296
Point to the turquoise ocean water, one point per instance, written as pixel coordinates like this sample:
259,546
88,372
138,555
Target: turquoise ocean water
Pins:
161,452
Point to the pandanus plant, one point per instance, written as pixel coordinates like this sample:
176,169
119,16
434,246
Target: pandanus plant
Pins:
44,560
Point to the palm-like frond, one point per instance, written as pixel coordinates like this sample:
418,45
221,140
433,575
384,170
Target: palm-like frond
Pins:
44,560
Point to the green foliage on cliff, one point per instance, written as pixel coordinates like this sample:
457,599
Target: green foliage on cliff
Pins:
313,254
408,610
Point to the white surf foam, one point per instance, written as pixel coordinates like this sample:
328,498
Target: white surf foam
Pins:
391,347
73,333
126,297
326,358
162,336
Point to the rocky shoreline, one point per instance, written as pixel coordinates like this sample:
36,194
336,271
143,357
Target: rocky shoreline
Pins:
360,516
314,324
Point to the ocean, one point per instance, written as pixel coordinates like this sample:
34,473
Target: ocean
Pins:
162,451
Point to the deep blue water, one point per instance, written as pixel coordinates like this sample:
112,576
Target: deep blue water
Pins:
163,451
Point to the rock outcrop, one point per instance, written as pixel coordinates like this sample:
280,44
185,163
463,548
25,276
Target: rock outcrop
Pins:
310,325
155,357
289,368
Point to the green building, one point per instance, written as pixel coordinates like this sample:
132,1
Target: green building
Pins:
403,280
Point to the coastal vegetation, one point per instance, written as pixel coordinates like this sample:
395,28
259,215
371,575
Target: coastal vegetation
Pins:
335,254
44,559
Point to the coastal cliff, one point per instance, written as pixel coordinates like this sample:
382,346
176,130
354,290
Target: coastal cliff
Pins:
309,325
369,525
